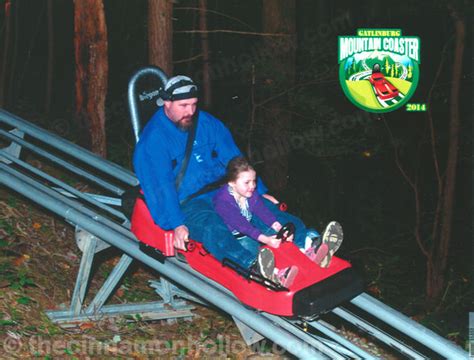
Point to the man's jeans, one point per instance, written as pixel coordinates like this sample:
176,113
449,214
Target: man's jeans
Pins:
206,226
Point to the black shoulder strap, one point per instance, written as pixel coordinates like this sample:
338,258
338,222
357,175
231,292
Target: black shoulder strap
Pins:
189,147
208,188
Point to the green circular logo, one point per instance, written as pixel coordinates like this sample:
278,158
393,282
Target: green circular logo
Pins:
378,83
379,73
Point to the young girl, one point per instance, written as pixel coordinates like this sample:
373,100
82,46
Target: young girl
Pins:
253,223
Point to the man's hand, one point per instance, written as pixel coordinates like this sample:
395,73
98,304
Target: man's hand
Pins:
181,235
271,198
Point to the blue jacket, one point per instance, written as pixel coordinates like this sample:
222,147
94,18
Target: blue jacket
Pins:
158,157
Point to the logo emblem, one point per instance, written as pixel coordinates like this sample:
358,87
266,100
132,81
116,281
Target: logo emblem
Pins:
379,68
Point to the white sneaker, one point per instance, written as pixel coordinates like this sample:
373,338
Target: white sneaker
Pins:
266,263
332,237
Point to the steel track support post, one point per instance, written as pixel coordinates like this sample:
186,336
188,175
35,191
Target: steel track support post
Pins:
109,284
168,291
89,245
83,275
249,335
13,149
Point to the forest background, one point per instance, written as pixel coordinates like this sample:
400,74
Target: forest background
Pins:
399,182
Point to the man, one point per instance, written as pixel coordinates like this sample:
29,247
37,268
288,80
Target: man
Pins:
158,159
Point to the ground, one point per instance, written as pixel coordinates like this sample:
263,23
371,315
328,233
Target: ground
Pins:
39,260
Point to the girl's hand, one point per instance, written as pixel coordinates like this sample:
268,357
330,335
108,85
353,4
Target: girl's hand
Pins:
276,226
290,238
271,241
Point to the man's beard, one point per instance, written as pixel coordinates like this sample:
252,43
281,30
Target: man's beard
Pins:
185,123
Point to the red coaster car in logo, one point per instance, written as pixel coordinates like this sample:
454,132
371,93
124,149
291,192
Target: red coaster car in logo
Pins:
383,88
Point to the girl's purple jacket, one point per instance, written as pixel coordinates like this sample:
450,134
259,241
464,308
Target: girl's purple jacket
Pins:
228,209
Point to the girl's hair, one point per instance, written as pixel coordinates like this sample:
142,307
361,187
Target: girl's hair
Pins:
236,166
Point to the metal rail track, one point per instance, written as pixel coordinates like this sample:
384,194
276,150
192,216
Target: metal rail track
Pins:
306,339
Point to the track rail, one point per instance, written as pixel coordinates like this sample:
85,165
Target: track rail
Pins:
316,339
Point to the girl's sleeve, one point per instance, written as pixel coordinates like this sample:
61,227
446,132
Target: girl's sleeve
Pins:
230,214
262,211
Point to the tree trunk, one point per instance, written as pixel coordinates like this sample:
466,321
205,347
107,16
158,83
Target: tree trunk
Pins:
278,17
6,53
49,74
436,277
206,80
90,44
160,34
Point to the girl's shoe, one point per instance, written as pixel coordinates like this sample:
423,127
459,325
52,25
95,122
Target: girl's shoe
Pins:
286,276
266,263
332,237
317,254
